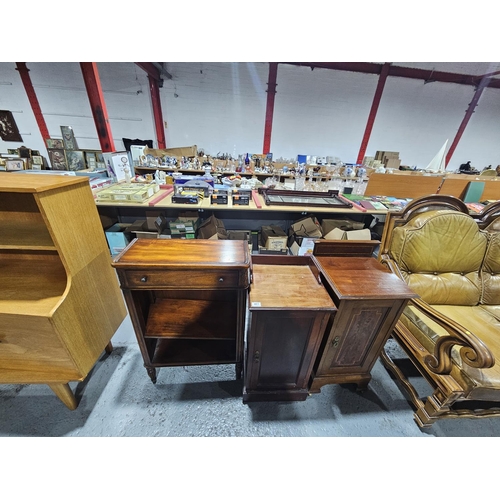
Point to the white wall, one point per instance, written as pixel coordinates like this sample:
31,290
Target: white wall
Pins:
221,107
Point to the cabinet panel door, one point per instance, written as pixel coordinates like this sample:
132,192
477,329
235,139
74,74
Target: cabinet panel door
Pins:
282,347
357,335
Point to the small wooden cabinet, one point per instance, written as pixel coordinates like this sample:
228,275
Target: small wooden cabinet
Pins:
60,302
370,300
289,311
187,300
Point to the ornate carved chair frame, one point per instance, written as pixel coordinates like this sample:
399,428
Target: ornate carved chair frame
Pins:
449,397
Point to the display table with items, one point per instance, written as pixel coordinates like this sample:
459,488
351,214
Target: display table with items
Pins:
60,302
186,300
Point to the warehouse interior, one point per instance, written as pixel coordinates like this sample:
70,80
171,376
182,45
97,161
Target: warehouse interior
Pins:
220,105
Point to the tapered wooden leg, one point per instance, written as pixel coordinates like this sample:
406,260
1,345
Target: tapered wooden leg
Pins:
109,348
65,394
152,373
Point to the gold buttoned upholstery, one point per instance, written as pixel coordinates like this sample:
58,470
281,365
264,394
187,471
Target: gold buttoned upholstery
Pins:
452,332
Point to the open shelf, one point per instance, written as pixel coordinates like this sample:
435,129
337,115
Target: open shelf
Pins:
33,293
24,236
191,319
175,352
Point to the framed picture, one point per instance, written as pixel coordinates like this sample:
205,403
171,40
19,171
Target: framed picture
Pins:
54,143
58,159
8,128
37,160
75,160
14,164
68,138
13,152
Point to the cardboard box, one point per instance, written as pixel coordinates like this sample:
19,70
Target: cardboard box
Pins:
117,238
151,217
392,163
212,229
265,251
302,246
355,234
273,237
328,225
308,227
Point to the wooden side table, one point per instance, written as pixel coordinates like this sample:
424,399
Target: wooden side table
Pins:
289,310
187,300
370,300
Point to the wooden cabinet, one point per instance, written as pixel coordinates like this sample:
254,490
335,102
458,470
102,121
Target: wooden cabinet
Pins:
370,300
60,302
289,311
187,300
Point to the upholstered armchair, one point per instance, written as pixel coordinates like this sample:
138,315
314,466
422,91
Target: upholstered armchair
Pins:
451,333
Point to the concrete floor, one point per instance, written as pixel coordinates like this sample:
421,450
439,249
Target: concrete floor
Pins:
118,399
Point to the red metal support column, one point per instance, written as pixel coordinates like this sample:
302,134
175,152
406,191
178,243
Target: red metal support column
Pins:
35,106
472,105
154,90
373,111
271,92
99,111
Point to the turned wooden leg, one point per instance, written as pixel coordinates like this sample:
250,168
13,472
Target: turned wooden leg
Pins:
65,394
152,373
109,348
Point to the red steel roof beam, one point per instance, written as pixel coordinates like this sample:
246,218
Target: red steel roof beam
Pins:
271,93
467,117
373,111
154,78
98,105
426,75
35,106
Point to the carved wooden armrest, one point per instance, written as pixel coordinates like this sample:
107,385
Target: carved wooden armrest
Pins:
473,352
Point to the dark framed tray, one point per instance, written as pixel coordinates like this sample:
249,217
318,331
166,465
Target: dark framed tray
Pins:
328,199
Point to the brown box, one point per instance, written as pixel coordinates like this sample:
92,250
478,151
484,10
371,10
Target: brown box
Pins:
273,237
308,227
392,163
212,229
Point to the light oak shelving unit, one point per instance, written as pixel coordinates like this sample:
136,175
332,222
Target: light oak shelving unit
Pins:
60,301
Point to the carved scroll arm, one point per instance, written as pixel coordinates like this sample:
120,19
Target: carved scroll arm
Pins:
473,351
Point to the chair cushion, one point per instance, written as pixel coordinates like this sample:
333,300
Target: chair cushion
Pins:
439,253
491,271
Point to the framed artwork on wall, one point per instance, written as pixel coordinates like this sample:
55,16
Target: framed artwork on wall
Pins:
8,128
57,159
54,143
68,138
14,164
75,160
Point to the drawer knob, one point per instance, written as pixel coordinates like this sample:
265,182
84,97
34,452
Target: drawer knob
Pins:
144,279
221,279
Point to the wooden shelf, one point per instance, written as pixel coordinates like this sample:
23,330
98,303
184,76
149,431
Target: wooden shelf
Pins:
35,293
17,235
191,319
174,352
